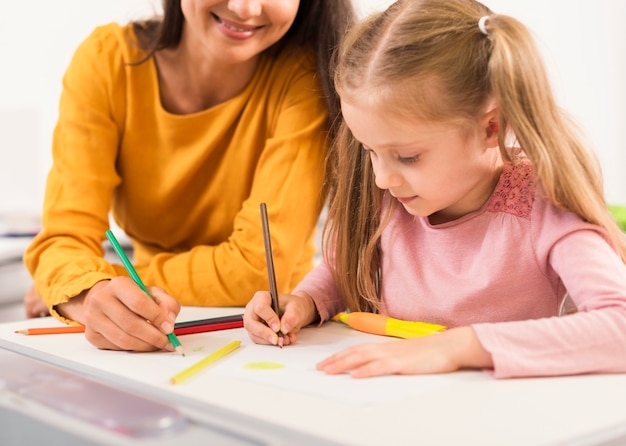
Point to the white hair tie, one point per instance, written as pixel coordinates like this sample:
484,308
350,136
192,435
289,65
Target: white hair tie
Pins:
481,25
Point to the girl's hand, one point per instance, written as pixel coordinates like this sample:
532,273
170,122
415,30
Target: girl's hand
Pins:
447,351
262,322
118,315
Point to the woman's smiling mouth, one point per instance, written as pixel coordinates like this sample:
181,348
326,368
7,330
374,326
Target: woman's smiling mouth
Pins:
233,29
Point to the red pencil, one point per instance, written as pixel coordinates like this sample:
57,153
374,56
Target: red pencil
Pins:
177,331
209,327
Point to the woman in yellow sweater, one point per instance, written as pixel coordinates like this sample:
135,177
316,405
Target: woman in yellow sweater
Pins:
179,127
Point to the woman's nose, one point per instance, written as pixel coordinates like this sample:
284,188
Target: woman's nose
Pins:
245,8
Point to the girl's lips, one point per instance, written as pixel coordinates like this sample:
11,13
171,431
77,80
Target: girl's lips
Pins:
405,200
233,29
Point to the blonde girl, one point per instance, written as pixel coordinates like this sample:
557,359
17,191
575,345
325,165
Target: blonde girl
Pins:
463,197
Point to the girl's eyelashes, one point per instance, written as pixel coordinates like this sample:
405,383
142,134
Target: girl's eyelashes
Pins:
409,159
402,159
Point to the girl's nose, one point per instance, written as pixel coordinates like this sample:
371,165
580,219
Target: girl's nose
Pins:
386,177
245,8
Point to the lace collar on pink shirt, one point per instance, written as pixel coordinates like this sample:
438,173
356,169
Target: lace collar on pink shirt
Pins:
515,192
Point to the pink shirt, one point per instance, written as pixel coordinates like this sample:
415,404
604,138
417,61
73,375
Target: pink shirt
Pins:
505,270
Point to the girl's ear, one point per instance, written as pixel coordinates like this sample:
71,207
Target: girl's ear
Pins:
490,124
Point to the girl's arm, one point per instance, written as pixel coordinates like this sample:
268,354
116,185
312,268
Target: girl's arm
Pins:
590,341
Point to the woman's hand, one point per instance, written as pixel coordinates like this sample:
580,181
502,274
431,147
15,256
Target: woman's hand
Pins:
262,322
444,352
118,315
34,306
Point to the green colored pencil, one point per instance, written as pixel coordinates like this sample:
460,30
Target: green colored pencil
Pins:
133,274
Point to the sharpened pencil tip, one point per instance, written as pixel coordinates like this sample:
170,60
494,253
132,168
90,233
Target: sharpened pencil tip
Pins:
280,342
180,350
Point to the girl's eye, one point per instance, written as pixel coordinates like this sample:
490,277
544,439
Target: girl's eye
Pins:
409,159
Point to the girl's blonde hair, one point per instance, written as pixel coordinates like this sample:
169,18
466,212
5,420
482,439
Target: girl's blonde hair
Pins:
395,58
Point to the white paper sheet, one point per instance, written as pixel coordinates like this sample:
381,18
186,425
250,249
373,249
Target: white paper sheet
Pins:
298,374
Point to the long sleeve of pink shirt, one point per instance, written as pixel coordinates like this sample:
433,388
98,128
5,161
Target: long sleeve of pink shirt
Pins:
505,270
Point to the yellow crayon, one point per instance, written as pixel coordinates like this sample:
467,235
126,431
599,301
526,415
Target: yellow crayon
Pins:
387,326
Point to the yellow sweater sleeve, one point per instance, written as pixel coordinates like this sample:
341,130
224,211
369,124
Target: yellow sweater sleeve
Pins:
185,188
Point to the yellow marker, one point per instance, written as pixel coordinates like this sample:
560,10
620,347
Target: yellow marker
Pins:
205,362
387,326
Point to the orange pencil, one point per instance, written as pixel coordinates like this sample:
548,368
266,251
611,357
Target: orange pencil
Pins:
52,330
180,329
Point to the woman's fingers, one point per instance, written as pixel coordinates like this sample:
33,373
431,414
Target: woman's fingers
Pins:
119,315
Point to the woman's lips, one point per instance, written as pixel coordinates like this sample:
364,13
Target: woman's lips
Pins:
235,30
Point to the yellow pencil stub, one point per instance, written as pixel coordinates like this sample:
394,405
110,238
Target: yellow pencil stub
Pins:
198,366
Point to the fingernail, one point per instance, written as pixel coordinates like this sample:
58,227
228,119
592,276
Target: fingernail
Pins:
275,327
168,325
285,329
273,339
170,348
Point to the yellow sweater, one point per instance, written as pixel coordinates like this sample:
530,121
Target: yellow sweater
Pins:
186,189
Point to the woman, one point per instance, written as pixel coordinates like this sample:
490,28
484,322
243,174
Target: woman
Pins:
180,127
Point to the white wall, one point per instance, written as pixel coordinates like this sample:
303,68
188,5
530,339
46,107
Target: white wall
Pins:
584,44
37,40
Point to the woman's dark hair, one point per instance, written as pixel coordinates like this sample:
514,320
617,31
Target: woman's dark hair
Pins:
320,24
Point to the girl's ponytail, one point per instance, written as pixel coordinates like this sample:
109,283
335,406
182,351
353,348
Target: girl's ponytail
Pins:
568,173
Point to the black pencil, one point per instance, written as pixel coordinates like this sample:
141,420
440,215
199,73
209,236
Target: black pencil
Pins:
209,321
269,259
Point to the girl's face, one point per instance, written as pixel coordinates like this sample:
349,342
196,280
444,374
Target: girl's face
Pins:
234,31
434,170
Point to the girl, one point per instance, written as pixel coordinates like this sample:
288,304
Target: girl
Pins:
179,126
465,198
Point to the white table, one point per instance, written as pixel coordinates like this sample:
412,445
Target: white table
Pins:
298,405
